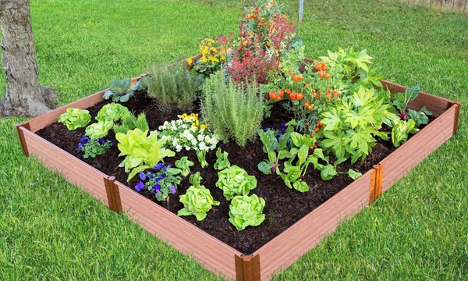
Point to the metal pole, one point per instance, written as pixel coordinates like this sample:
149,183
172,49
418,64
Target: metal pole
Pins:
301,9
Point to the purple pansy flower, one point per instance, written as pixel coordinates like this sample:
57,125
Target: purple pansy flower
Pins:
172,189
142,176
158,166
157,187
139,186
84,140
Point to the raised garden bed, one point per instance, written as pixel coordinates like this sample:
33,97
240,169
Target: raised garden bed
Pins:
209,251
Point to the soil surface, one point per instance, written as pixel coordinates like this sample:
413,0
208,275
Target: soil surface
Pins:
283,206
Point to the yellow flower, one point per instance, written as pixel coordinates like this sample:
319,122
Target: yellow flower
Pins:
203,126
189,61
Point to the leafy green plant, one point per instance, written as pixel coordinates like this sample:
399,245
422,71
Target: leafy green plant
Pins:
184,164
75,118
410,119
232,111
222,161
350,126
99,129
246,211
120,90
275,144
235,181
141,151
130,122
175,86
401,129
201,156
111,112
197,200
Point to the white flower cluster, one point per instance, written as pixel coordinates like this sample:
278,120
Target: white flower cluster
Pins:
187,133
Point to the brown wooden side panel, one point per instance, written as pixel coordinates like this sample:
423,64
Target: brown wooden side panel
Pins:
49,118
406,157
216,256
74,170
300,238
436,105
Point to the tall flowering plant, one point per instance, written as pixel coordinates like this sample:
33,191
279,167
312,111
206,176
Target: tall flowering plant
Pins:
264,34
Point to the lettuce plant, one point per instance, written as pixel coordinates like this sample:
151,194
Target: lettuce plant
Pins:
201,156
197,200
184,164
99,129
235,181
141,151
246,210
111,112
75,118
222,161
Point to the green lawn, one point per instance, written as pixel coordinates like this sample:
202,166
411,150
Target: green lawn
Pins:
417,230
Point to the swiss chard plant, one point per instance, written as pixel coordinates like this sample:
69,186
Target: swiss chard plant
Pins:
410,119
235,181
246,211
142,152
75,118
197,200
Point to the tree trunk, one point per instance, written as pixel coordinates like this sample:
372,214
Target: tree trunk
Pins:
24,96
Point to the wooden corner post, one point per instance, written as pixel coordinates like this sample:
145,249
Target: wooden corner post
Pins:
21,136
457,115
113,194
375,189
247,267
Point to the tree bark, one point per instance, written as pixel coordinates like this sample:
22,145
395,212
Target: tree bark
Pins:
24,95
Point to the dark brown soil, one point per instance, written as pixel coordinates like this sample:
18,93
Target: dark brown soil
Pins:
283,206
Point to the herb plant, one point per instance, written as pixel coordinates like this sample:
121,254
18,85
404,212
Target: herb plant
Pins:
94,147
172,87
75,118
235,181
246,211
197,200
161,183
232,111
142,152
